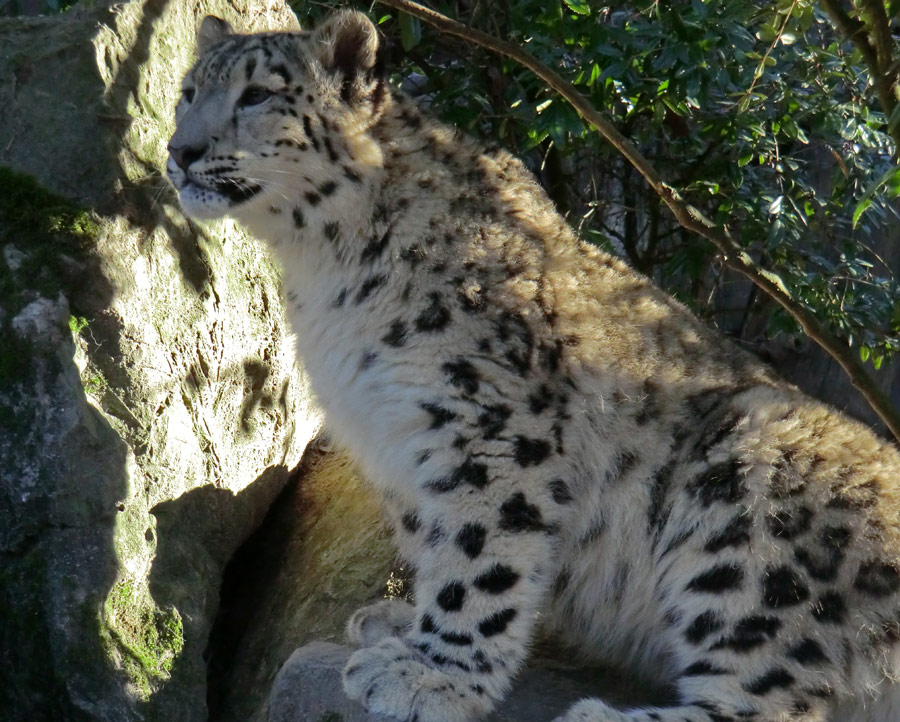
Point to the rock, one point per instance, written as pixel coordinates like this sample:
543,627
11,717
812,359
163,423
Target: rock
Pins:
150,403
43,322
322,552
308,689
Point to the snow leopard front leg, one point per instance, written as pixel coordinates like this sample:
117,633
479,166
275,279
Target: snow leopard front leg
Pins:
485,543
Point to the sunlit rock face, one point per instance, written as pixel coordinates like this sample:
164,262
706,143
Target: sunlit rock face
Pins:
151,406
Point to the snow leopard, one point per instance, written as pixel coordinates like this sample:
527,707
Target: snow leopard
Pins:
561,447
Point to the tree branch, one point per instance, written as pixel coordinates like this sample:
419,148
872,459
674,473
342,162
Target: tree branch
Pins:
879,57
854,30
880,32
688,216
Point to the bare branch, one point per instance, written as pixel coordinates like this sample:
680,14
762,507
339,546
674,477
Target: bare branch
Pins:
688,216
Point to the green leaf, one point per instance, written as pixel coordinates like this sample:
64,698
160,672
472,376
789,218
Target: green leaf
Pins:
866,199
767,32
558,135
579,7
860,209
410,31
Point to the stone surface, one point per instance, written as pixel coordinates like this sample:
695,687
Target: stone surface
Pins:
322,552
150,403
308,689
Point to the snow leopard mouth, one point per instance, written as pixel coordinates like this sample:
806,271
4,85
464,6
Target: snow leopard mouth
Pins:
238,191
222,198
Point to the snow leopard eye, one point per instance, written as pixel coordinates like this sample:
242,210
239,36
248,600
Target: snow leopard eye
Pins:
254,95
188,94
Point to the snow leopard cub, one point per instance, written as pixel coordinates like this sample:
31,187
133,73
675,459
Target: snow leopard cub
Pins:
558,441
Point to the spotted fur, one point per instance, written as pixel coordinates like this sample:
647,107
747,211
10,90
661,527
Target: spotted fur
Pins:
559,442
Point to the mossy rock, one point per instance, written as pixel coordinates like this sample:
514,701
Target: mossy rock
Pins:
45,240
150,403
148,638
324,552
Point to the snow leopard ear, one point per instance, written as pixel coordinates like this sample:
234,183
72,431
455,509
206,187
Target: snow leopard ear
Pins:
211,31
347,43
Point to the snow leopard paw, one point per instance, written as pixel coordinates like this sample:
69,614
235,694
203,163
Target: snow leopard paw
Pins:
393,679
372,623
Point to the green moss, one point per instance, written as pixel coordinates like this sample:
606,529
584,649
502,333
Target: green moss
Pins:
144,639
31,211
50,234
77,324
46,229
94,384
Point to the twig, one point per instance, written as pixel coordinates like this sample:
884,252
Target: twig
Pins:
761,67
688,216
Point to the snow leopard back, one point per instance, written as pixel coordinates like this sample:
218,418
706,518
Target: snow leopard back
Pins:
558,442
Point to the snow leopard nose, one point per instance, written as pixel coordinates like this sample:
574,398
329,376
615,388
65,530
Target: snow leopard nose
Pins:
185,155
